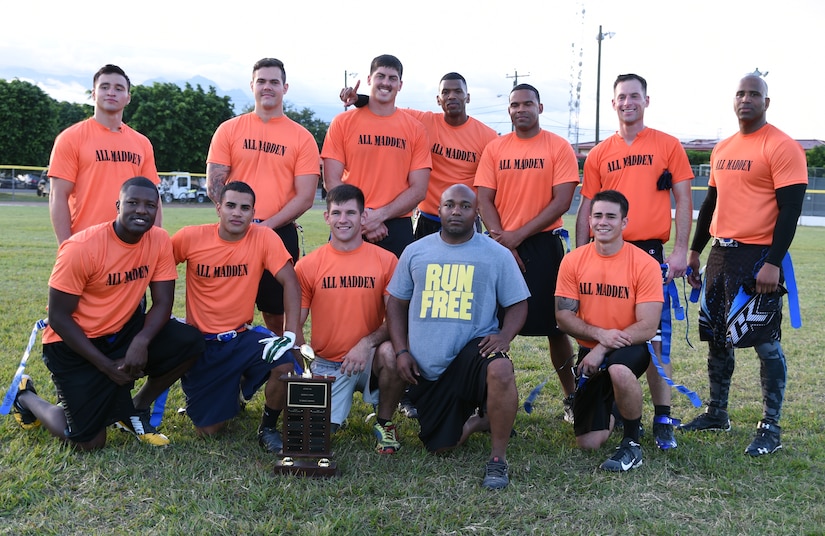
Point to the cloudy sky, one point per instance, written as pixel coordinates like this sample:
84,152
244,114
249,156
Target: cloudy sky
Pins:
692,53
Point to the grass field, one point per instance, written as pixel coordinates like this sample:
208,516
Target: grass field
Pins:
226,486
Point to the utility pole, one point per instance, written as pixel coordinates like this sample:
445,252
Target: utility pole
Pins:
515,83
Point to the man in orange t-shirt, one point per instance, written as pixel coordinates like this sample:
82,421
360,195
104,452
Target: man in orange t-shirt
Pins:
526,180
609,297
646,165
279,159
91,159
224,263
456,143
99,340
344,288
756,189
385,153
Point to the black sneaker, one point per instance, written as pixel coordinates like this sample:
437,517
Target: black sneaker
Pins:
138,425
713,419
495,474
407,408
628,456
25,418
270,439
663,431
766,440
567,405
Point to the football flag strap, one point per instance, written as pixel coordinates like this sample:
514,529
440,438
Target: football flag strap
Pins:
692,396
793,292
157,409
11,394
562,232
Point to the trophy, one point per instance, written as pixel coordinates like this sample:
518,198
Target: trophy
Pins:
306,425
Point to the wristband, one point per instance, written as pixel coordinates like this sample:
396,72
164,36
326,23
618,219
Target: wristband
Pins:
402,351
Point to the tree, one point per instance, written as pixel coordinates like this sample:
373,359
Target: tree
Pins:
27,124
69,113
816,156
306,117
178,122
698,157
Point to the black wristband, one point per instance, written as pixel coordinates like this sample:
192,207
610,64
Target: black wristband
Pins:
401,351
362,101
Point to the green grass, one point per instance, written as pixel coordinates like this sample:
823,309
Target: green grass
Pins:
226,486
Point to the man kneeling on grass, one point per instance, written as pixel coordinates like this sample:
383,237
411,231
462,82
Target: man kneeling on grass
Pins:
441,315
224,263
99,339
609,297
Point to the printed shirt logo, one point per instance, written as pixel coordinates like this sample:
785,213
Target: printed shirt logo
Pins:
448,292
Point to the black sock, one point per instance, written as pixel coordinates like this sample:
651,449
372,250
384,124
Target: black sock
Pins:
631,428
382,422
661,410
270,417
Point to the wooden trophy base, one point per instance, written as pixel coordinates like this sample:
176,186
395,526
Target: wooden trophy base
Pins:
309,467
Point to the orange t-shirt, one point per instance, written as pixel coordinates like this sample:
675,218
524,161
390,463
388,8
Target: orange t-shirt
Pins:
523,173
344,292
456,152
267,156
222,277
609,288
378,152
98,162
746,170
109,275
634,170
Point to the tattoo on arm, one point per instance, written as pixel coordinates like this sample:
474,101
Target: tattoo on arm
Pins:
568,304
216,175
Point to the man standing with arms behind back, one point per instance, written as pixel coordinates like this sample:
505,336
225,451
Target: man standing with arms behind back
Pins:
91,159
385,153
526,181
645,165
279,159
758,179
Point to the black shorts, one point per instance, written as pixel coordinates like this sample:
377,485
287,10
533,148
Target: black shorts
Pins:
426,225
444,405
730,269
541,255
90,399
400,235
655,249
593,401
270,297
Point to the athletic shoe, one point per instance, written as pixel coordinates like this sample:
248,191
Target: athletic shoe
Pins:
25,418
713,419
387,439
270,439
567,404
766,440
407,408
628,456
495,474
138,425
663,431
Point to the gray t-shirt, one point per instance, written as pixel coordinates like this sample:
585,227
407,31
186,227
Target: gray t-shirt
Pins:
454,291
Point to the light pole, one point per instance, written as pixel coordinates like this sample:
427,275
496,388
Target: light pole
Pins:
600,38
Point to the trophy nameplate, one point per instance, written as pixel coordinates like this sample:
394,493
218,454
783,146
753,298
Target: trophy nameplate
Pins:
306,424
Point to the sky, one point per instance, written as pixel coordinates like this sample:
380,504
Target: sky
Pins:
691,53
